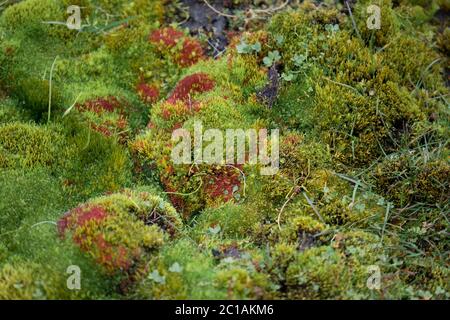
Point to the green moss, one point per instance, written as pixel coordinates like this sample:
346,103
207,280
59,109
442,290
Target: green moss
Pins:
27,194
390,24
242,283
422,69
28,145
30,14
24,280
95,164
192,278
363,177
28,281
232,220
362,102
31,203
326,272
209,96
183,271
298,159
87,162
407,177
11,112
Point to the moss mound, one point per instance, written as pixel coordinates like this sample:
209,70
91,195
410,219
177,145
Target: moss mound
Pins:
91,122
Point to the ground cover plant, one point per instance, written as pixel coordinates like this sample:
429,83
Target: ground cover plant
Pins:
93,205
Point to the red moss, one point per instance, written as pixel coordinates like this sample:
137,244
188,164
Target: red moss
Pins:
80,216
100,105
190,54
178,113
223,183
166,114
177,201
101,129
168,37
148,93
112,257
96,213
190,85
187,54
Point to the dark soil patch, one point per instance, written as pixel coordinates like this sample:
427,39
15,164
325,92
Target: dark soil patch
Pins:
203,19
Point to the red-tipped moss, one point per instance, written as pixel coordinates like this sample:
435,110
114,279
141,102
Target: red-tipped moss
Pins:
191,85
148,93
167,37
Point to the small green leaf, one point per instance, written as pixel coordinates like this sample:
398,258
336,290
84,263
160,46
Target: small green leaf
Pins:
155,276
228,260
360,207
279,39
299,59
287,76
215,230
275,56
267,62
242,48
256,47
176,268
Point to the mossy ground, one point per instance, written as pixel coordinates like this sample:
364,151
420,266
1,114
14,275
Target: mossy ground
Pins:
86,177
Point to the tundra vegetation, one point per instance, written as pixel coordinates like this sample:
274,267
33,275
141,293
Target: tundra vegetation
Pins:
87,179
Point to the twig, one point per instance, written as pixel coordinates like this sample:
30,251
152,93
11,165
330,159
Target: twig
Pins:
388,208
273,9
243,176
186,194
311,204
342,84
354,195
70,108
43,222
59,23
217,11
284,206
353,20
265,11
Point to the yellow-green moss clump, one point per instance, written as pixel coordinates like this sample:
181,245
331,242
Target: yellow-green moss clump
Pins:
122,230
365,97
9,111
210,94
28,145
182,271
23,280
84,160
30,281
407,178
